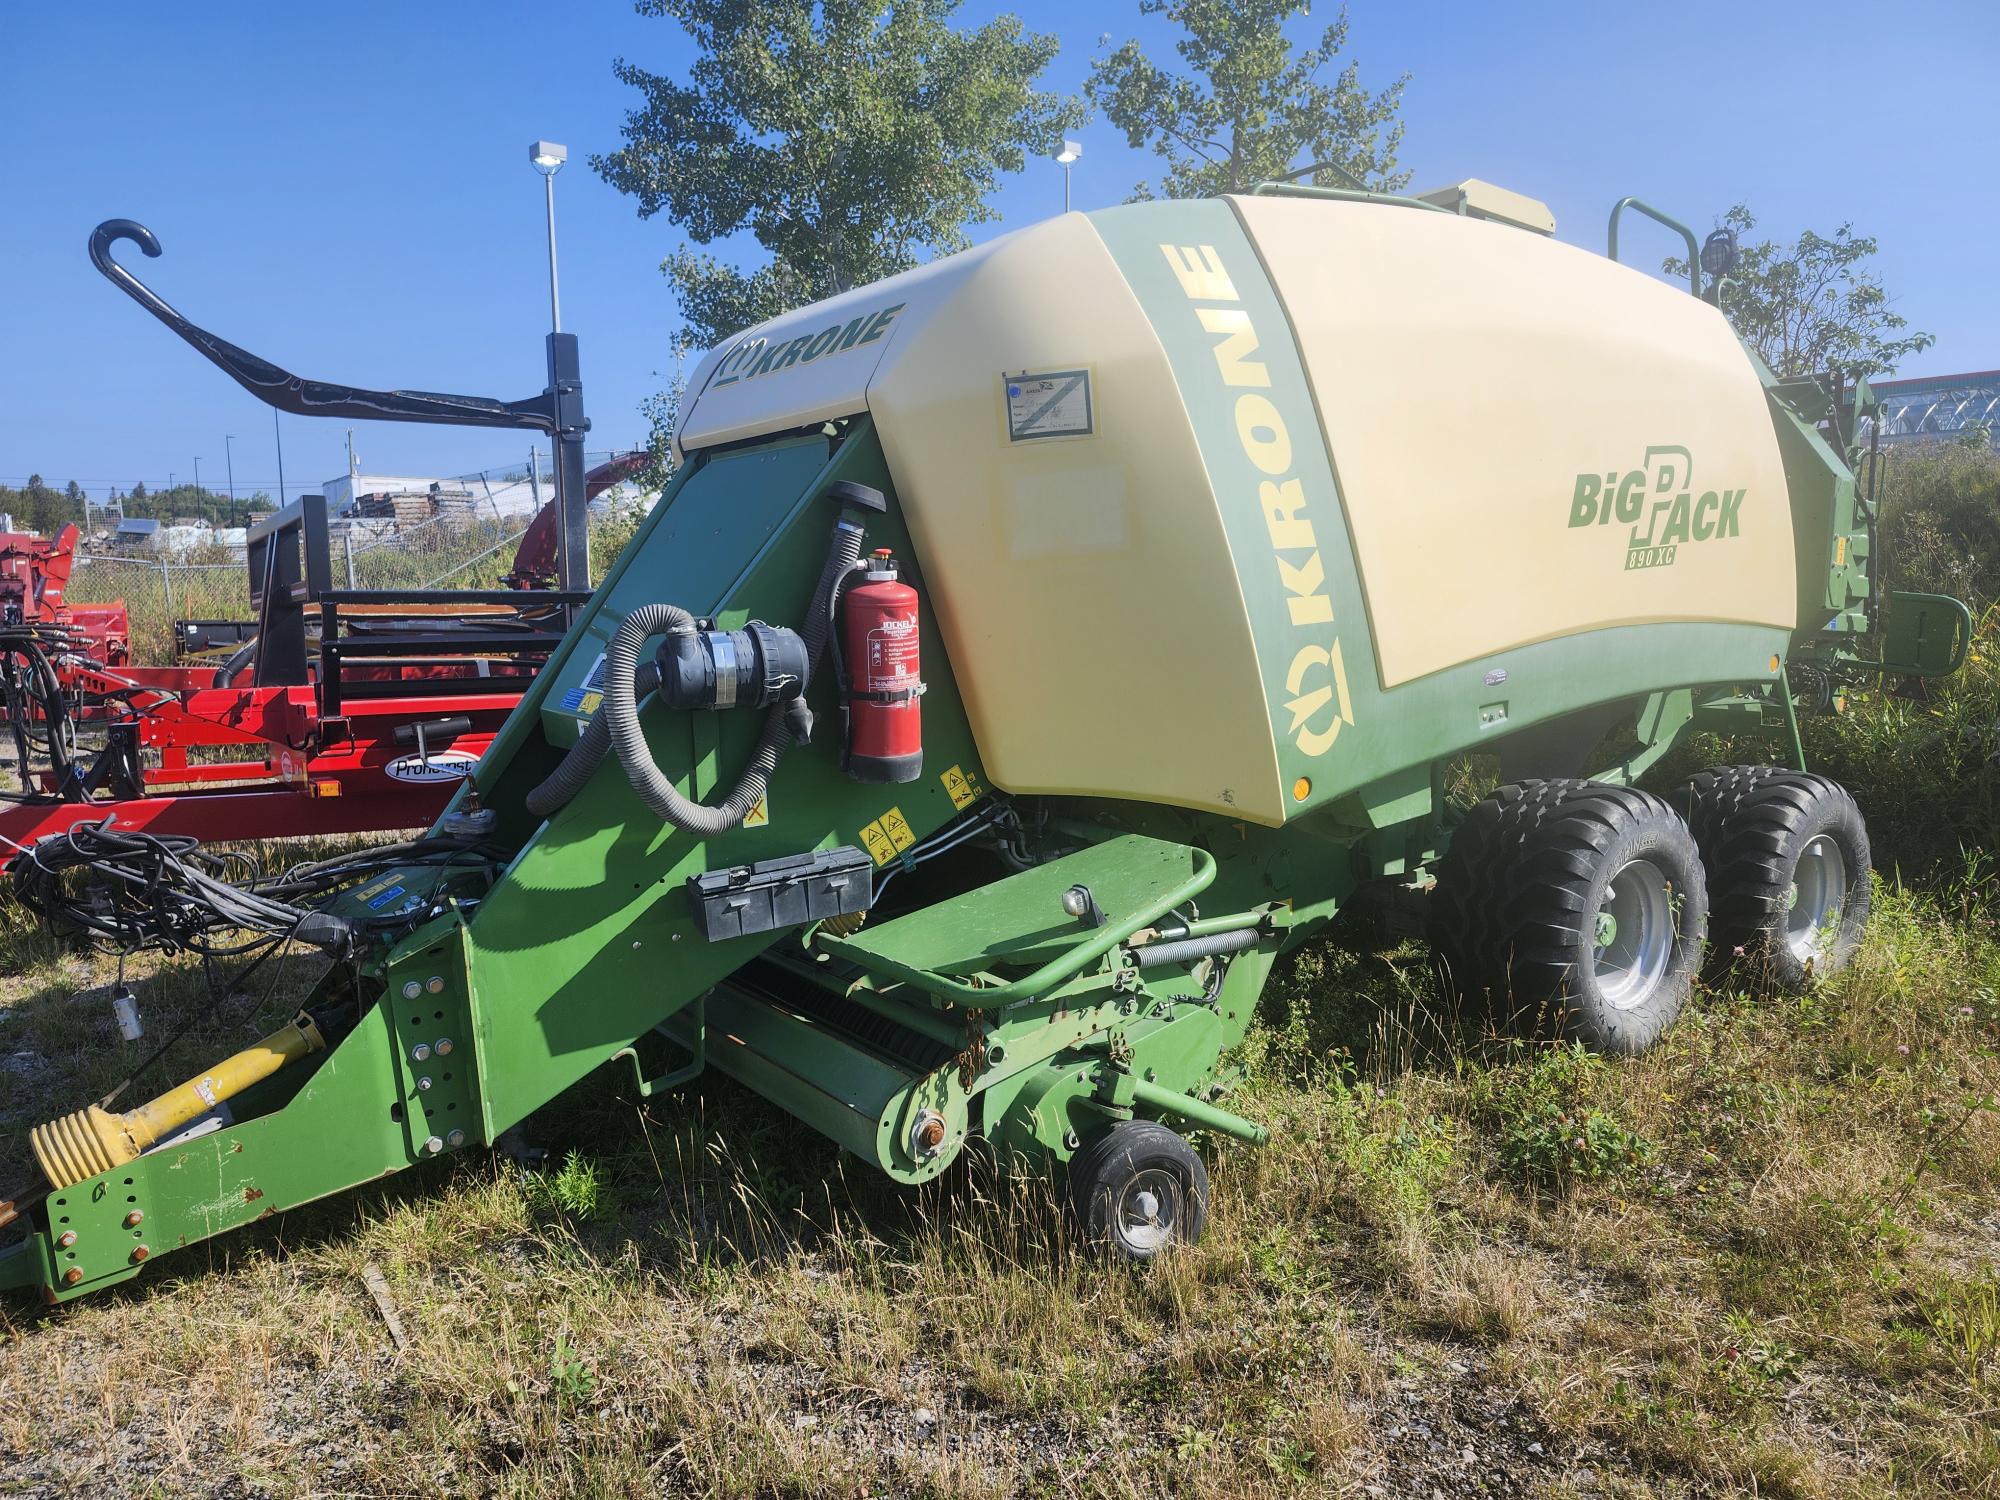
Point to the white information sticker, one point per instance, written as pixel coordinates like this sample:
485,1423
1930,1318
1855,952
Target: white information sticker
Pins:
1049,403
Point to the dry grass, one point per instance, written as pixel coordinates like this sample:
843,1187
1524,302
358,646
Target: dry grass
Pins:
1790,1292
1762,1260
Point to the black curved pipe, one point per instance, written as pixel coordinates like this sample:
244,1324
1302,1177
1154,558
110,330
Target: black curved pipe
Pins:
309,398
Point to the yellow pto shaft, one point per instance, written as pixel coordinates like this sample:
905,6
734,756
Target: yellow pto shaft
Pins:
93,1140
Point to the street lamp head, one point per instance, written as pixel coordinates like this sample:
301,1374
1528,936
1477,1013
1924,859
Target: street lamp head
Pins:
1070,152
548,157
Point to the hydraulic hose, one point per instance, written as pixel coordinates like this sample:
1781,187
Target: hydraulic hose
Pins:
626,681
32,691
241,657
573,773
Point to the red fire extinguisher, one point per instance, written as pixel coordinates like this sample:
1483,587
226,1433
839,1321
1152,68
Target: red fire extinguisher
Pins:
878,640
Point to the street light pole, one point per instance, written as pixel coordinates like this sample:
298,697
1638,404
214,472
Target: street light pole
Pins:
197,476
1068,156
548,158
229,457
555,300
278,433
566,391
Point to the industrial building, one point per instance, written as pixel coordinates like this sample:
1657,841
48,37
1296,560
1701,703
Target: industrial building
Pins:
1939,406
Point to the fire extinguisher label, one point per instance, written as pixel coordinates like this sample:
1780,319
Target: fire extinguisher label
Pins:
892,654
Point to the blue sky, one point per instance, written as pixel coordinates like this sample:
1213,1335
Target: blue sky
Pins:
345,189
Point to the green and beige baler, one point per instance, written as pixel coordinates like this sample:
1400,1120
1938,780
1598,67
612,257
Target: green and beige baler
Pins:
1159,563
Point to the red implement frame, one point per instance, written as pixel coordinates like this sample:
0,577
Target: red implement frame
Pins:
300,774
34,571
371,729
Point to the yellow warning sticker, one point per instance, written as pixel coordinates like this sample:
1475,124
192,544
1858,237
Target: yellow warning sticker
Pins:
898,830
587,704
961,788
759,815
877,843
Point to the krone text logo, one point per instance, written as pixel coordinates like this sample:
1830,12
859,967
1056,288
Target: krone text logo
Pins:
1316,675
762,355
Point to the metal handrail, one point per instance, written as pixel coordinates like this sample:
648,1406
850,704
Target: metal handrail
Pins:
1694,250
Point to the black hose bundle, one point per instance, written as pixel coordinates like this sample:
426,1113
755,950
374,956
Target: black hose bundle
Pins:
36,711
149,890
626,682
239,660
587,754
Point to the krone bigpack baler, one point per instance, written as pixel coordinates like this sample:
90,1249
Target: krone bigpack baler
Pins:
1159,564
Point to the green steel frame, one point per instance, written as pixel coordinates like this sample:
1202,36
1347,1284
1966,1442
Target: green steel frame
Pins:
1007,1017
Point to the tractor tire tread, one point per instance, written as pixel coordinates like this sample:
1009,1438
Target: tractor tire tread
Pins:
1513,887
1095,1163
1745,818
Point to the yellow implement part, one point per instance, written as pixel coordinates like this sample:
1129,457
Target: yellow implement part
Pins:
94,1140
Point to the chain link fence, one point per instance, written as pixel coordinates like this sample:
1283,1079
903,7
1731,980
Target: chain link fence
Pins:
466,541
156,592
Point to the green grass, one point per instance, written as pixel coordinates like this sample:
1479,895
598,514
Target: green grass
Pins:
1764,1259
1770,1267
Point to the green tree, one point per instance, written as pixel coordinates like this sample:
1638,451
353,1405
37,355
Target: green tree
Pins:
1814,306
662,411
36,507
849,139
1248,107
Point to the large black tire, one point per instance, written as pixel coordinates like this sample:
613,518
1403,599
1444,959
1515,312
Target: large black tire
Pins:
1573,906
1787,858
1137,1188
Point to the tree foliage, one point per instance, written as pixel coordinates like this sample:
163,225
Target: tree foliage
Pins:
1248,107
1941,521
848,138
662,411
42,508
1815,306
37,507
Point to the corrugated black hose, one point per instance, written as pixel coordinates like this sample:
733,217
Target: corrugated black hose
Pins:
622,710
626,681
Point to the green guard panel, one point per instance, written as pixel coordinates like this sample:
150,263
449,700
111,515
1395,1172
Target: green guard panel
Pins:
590,940
1019,920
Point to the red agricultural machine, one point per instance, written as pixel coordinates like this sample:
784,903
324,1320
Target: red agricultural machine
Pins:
341,711
34,572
